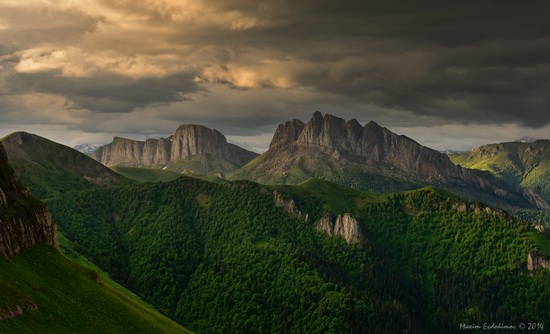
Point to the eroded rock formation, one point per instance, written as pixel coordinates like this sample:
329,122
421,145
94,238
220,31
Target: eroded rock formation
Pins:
24,221
345,226
289,206
536,261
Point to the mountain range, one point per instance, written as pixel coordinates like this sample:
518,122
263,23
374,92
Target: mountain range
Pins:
289,242
369,157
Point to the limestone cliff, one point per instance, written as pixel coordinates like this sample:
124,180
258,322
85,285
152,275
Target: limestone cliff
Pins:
377,145
24,221
208,148
287,133
345,226
537,261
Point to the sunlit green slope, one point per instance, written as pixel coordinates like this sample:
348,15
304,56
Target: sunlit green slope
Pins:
519,164
58,296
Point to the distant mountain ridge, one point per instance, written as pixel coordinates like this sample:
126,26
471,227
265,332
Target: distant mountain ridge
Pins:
344,151
526,139
86,148
520,164
192,147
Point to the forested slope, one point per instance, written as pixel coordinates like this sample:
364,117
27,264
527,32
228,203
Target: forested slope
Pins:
232,257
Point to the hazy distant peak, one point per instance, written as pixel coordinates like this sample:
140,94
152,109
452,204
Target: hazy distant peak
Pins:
526,139
86,148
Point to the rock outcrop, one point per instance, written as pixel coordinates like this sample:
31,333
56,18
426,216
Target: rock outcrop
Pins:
542,229
289,206
188,142
24,221
375,145
536,199
477,208
345,226
16,310
536,261
10,312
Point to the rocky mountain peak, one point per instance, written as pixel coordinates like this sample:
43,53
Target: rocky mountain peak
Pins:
287,133
86,148
311,131
372,143
189,141
24,221
328,147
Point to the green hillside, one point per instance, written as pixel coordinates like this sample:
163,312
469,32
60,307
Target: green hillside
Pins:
50,169
315,164
146,174
143,175
225,258
519,164
58,296
203,163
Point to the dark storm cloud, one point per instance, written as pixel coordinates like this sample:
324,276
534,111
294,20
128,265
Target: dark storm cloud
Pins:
457,61
466,61
107,93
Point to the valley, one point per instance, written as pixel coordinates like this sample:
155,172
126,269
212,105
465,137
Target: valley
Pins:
307,249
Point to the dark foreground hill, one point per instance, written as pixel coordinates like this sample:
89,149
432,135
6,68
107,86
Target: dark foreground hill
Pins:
43,292
50,169
313,258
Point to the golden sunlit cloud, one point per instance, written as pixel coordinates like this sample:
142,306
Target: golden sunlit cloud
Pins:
139,39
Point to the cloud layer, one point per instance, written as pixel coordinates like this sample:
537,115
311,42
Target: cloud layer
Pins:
243,66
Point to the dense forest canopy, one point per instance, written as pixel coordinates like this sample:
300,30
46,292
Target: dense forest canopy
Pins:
225,258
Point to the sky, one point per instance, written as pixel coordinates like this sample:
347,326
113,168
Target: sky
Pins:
449,74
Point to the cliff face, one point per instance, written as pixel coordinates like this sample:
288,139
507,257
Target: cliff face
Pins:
24,221
287,133
345,226
188,142
374,144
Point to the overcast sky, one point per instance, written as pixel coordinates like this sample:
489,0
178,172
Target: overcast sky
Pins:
449,74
